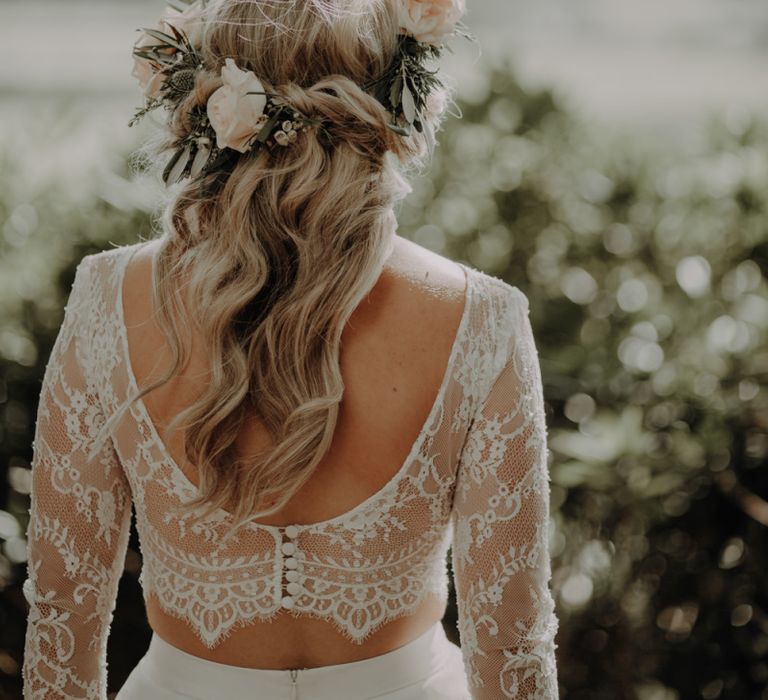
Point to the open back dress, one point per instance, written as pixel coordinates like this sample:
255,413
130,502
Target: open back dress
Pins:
475,483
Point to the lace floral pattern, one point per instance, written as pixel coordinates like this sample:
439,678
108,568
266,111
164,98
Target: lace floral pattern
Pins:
79,520
475,482
500,517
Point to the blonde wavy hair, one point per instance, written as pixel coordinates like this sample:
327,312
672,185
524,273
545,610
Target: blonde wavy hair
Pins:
278,250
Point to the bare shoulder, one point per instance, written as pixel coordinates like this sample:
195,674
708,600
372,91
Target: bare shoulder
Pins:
414,278
137,280
431,274
145,251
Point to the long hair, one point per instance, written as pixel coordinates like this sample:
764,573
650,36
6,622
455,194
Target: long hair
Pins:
277,251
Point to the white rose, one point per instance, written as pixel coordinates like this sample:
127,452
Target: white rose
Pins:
144,71
150,80
189,23
235,115
148,75
430,21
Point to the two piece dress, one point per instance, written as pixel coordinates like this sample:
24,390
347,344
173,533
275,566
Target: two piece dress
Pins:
475,484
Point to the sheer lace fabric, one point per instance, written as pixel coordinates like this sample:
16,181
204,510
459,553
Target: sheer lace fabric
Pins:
475,482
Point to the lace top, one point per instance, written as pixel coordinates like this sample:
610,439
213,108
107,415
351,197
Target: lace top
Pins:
475,481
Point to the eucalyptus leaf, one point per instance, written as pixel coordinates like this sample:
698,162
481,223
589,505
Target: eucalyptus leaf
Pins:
409,105
178,34
201,159
396,92
177,165
167,39
399,129
267,128
148,55
171,163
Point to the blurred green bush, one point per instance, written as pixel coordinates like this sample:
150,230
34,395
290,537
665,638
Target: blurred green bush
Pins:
646,270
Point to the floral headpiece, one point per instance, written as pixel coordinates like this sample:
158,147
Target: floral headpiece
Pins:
242,116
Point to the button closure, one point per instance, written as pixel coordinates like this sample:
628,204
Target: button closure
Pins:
291,563
287,602
292,531
288,547
293,588
292,575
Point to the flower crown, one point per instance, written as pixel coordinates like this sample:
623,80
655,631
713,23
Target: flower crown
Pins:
242,116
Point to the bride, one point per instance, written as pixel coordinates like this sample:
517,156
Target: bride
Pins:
306,411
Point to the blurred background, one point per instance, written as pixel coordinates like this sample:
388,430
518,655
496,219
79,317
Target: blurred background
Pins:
612,162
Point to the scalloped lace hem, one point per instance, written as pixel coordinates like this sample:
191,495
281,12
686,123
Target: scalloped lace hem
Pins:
244,622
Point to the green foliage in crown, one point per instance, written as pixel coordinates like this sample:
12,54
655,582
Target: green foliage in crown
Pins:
167,63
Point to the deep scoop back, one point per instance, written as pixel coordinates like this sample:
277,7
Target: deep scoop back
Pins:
476,481
351,473
359,569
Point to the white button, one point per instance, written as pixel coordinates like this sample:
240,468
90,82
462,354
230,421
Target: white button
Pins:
293,588
287,602
291,563
291,531
292,575
288,548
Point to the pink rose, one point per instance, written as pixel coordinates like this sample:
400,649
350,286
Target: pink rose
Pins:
430,21
235,115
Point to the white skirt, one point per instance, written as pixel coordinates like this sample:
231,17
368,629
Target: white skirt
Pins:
428,668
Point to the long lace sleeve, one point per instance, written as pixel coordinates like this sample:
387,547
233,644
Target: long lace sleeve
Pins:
500,554
79,520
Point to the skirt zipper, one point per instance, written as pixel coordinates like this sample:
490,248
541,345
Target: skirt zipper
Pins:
294,687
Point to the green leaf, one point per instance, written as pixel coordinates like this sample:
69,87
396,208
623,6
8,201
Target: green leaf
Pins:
148,55
399,129
396,92
266,130
167,39
171,163
176,166
178,35
201,159
409,105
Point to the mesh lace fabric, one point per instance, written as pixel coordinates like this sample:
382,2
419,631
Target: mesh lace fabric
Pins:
475,481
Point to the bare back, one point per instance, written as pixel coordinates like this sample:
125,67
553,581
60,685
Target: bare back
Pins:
395,351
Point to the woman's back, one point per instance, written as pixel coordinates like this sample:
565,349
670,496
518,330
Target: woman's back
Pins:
402,392
299,592
395,351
